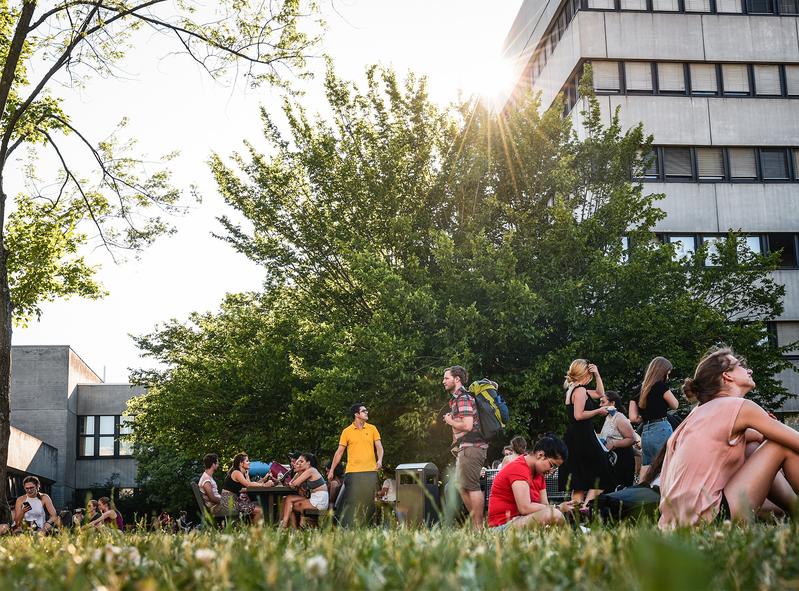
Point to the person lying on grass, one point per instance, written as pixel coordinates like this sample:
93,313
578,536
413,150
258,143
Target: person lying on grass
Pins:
519,492
307,473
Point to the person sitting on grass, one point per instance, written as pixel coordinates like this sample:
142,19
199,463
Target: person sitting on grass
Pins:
108,515
729,458
34,509
519,493
307,475
85,516
518,447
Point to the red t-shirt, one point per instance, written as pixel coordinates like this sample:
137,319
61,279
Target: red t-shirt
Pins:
502,504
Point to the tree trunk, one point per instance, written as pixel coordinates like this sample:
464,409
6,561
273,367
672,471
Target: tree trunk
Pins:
5,368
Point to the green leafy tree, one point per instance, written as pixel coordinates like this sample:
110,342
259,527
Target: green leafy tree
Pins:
120,201
400,238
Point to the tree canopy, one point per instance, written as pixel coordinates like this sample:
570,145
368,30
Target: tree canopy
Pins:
399,238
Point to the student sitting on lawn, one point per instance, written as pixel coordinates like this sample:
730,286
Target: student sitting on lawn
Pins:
307,470
108,515
34,509
519,493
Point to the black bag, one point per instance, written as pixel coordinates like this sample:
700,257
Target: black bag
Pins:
631,502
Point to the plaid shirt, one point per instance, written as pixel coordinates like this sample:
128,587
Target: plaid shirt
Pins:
463,404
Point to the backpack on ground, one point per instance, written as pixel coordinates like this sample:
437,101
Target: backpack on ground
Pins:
491,408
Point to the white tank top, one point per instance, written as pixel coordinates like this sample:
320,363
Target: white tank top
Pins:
37,511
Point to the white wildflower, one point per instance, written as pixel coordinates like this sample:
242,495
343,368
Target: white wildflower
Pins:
316,566
205,555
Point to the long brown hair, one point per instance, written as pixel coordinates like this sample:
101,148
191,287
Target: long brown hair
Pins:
237,460
706,383
657,371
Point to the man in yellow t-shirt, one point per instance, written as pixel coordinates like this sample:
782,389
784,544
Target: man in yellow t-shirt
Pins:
364,450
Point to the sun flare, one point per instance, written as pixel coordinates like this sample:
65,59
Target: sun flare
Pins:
491,79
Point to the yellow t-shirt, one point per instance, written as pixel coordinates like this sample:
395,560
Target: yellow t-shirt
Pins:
360,444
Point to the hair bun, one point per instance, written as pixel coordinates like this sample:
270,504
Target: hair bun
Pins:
688,389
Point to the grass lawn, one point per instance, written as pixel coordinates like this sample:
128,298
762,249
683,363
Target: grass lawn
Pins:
723,557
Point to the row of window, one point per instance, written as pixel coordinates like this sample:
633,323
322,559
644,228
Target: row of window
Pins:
700,79
570,8
714,164
104,436
786,244
774,7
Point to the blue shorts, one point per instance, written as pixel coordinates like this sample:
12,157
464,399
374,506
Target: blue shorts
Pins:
653,437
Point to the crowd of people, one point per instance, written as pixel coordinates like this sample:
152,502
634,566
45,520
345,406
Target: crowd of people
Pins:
727,459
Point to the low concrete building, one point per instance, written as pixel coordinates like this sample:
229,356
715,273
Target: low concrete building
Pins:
78,421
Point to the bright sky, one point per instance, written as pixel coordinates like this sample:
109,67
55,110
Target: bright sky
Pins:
171,105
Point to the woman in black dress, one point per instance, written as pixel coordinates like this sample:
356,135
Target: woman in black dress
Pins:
587,471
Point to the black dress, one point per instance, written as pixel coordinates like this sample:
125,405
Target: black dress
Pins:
587,464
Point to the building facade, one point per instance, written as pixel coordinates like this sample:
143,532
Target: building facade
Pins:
68,426
716,82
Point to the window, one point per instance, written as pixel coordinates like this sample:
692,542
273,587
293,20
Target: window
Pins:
606,76
728,6
712,253
785,243
639,76
759,6
767,80
697,5
735,78
652,170
752,244
671,78
742,163
789,7
98,435
684,246
774,163
710,163
665,5
601,4
796,163
703,79
677,163
633,4
792,80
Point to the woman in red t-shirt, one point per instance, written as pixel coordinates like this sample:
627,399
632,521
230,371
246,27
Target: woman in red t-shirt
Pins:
519,492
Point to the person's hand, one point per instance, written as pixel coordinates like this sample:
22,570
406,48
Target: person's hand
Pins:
330,475
26,508
602,410
448,418
592,368
47,527
269,484
611,445
379,464
568,506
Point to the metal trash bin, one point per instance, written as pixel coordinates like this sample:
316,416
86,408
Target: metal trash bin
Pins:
417,493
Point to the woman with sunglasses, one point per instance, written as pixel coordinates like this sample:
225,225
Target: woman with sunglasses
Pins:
729,458
34,509
308,476
519,491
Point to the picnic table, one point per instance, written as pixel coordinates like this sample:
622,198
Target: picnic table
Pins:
268,499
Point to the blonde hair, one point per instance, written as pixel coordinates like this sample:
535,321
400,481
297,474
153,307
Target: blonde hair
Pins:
577,370
657,371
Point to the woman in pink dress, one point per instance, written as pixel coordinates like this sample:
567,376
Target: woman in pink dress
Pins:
729,457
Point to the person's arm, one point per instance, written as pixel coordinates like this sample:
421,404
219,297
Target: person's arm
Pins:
300,478
599,390
461,423
626,430
671,400
336,459
634,416
19,512
751,416
209,493
579,397
48,506
521,494
110,514
379,449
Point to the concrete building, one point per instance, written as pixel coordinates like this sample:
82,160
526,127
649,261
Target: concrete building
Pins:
716,82
67,425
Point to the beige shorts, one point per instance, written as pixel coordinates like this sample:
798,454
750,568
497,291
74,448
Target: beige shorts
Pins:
468,466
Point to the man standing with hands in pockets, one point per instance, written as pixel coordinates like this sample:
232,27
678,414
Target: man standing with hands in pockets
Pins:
468,445
364,458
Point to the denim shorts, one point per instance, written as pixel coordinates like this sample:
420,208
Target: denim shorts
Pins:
654,436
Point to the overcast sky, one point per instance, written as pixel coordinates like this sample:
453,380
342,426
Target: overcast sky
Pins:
173,106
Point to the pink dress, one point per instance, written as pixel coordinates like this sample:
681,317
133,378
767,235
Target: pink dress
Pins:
701,458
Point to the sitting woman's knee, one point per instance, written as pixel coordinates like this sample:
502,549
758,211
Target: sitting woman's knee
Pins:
554,517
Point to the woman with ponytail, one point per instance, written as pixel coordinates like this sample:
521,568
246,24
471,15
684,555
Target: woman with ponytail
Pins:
654,401
729,457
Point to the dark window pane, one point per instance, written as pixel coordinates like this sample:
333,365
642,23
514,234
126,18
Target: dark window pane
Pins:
785,243
742,163
677,162
759,6
775,164
789,7
652,170
711,163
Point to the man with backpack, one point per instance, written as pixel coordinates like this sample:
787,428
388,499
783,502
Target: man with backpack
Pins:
468,444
